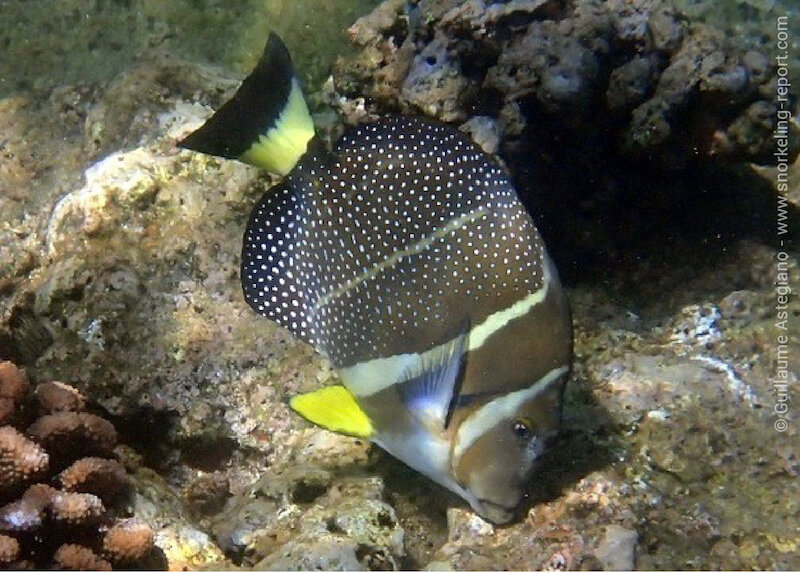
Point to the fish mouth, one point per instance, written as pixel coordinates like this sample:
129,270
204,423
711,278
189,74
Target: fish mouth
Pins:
495,512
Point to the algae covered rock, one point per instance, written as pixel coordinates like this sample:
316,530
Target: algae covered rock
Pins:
641,67
612,117
303,516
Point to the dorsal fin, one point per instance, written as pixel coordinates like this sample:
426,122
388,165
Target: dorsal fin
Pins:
266,123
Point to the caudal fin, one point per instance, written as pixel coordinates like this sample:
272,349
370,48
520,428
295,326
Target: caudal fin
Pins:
266,123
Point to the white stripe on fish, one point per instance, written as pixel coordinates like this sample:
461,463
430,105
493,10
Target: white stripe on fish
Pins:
367,378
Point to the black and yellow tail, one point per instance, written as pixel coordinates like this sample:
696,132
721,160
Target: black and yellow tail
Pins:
266,123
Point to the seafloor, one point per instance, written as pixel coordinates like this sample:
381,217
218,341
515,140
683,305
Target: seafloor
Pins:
639,132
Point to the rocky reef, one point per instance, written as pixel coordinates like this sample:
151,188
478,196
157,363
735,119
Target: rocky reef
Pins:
635,78
753,23
638,135
630,109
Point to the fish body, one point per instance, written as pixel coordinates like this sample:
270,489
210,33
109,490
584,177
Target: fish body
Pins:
405,257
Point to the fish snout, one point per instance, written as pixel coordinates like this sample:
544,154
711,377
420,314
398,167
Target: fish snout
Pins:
497,513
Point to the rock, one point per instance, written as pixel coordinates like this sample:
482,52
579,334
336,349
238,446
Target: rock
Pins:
321,555
369,28
592,98
739,305
484,131
570,81
630,83
617,550
302,516
207,493
653,67
179,542
463,525
434,83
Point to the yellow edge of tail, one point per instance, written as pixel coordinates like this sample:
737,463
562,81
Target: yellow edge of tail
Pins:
282,145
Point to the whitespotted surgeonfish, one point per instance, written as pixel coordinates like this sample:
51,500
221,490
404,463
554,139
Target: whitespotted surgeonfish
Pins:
405,257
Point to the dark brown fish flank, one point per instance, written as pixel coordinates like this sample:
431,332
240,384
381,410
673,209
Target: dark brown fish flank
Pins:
387,248
423,300
277,272
524,351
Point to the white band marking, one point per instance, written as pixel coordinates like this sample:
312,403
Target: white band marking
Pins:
366,378
502,408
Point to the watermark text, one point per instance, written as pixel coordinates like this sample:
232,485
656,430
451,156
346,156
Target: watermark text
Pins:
783,289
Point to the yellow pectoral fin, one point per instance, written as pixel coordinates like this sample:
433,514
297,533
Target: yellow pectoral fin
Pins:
335,409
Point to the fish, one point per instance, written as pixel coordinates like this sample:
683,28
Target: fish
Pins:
405,257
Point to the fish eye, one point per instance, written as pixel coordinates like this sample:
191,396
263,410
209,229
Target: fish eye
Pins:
522,428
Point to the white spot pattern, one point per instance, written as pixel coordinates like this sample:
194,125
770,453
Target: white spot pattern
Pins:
389,245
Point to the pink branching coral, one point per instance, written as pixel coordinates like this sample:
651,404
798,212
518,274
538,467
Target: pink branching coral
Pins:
128,541
21,459
101,477
70,435
77,519
79,558
9,550
59,397
13,387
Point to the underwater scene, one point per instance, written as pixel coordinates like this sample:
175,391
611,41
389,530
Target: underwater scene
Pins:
399,285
